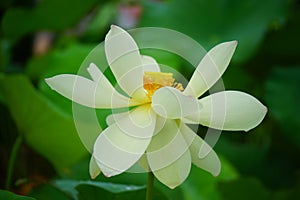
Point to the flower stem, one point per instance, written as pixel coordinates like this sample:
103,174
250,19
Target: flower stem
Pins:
11,162
150,186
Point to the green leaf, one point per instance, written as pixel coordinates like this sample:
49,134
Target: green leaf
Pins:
217,21
6,195
46,15
59,61
93,193
49,192
46,130
202,185
70,186
244,188
283,97
94,190
72,59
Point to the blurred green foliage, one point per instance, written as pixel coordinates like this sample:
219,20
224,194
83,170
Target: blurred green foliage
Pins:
11,196
49,133
39,39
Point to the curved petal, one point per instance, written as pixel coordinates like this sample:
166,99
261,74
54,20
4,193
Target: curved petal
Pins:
166,147
111,119
160,124
210,68
170,103
116,151
229,110
93,168
150,64
138,120
124,59
176,173
100,94
211,162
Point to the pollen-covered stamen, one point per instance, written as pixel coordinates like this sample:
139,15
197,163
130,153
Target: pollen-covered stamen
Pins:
155,80
178,86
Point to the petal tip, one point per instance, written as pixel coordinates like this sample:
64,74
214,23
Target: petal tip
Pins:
264,112
114,29
113,26
234,43
217,173
172,187
91,67
93,176
49,82
107,175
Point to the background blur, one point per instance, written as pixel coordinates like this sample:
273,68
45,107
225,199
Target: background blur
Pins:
42,38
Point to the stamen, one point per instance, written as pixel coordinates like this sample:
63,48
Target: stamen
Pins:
178,86
155,80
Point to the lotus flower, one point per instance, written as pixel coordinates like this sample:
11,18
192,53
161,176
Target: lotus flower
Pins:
153,132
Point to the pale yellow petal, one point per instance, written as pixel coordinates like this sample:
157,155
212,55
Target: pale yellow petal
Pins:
229,110
170,103
124,59
100,94
150,64
116,150
166,147
211,162
93,168
175,174
210,68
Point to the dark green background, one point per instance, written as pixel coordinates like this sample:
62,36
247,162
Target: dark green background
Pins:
52,163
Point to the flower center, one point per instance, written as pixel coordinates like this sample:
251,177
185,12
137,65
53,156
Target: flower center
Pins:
155,80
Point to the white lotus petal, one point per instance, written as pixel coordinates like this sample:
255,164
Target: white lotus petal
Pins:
160,124
124,59
115,151
210,162
210,68
89,93
95,72
166,147
141,118
229,110
93,168
176,173
170,103
150,64
111,119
